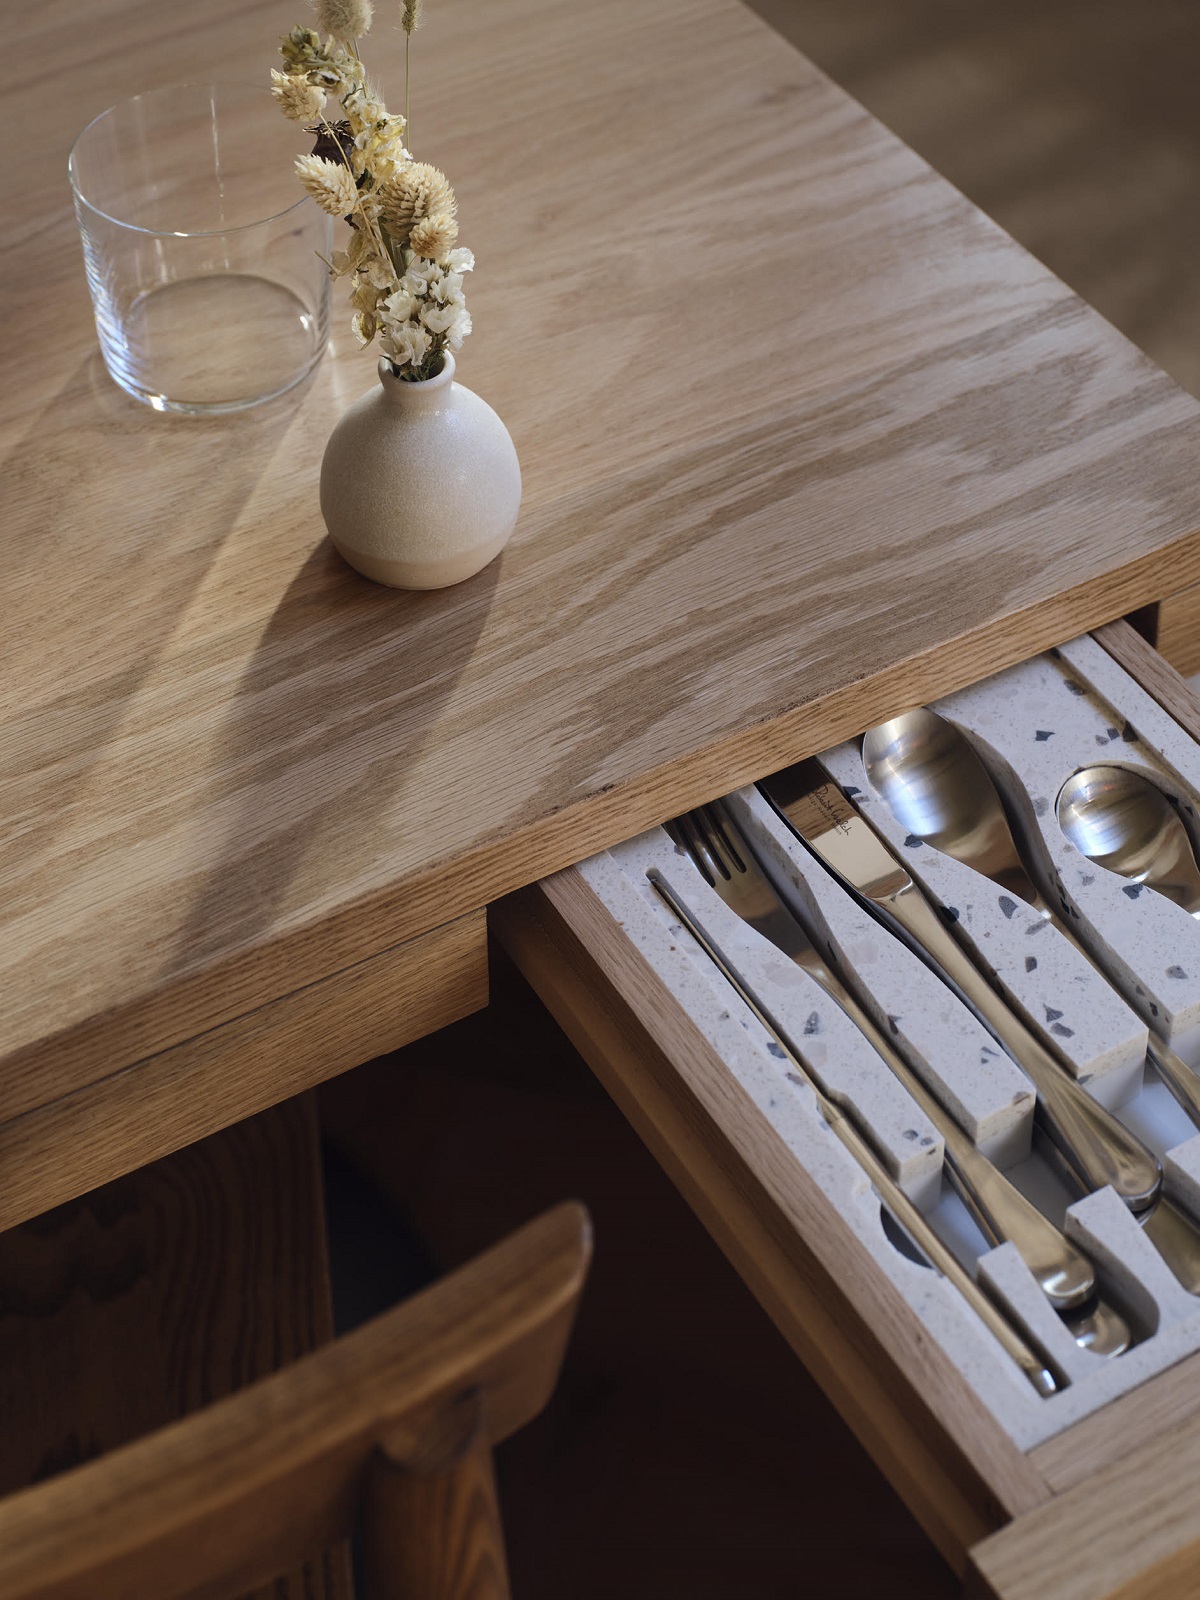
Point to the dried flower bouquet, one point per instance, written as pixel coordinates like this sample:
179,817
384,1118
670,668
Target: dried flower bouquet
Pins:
406,274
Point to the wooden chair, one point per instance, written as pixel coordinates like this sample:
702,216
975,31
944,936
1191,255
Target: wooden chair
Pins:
388,1430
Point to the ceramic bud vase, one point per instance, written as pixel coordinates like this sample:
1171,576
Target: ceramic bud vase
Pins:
420,485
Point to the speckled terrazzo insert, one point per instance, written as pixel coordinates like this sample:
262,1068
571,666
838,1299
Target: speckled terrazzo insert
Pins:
847,1068
1043,721
1168,1320
987,1094
1063,996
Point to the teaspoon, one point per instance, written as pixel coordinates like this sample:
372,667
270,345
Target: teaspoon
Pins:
1124,822
939,789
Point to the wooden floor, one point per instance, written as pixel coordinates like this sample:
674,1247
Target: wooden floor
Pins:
687,1452
1074,123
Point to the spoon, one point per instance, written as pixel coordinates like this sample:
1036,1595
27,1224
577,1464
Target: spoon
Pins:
1124,822
939,789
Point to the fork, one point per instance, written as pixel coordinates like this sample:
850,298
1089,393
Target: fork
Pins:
720,853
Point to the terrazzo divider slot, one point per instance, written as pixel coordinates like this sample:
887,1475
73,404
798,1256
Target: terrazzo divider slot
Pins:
1034,726
1044,976
959,1061
846,1066
1037,724
949,1042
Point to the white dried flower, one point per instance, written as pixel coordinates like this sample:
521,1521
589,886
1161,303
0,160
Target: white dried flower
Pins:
296,97
446,288
330,184
459,328
461,260
433,236
438,319
344,19
419,275
407,343
399,306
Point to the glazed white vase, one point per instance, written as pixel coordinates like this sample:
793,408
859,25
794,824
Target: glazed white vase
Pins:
420,485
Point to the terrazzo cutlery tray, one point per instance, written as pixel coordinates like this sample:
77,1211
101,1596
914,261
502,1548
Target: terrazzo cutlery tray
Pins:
1033,726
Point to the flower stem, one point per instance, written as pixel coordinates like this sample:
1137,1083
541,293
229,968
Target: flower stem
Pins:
407,123
374,232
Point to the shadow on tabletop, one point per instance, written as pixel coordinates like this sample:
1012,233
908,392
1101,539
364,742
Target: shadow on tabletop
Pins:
165,491
346,686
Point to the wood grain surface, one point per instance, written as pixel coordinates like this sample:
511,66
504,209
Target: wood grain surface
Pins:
1155,674
255,1481
435,1534
1177,630
158,1294
1137,1418
94,1132
943,1453
804,438
1130,1532
1076,127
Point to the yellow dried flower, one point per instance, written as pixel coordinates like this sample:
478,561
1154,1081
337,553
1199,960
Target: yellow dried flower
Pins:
411,16
433,236
344,19
418,190
330,184
300,49
296,97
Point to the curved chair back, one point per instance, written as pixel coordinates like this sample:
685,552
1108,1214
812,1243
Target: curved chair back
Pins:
389,1429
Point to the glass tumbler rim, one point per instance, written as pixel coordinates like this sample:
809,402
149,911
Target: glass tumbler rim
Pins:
169,233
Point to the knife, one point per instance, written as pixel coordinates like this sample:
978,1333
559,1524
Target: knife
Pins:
904,1211
1096,1148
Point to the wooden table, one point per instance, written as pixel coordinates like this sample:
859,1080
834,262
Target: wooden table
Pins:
804,438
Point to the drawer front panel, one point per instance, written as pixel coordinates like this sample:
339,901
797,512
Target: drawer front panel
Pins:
169,1100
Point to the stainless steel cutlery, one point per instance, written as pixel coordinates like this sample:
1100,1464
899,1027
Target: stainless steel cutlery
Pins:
1093,1144
939,790
1000,1210
907,1215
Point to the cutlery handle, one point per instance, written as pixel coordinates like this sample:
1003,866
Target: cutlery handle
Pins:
1001,1211
1096,1147
1173,1234
910,1218
1177,1075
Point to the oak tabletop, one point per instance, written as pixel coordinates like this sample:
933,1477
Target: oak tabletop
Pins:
804,438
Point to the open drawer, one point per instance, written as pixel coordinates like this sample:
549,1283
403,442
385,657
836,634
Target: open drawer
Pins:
1092,1491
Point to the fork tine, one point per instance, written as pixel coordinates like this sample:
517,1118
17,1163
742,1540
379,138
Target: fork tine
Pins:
724,837
700,849
685,834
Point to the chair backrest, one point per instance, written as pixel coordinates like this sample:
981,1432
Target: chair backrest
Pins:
241,1491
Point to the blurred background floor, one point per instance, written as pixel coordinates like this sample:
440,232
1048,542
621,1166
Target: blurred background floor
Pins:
687,1452
1074,123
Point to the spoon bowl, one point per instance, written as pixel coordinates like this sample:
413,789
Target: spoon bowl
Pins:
938,788
1123,821
1100,1329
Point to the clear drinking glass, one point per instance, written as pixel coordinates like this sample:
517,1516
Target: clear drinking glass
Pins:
203,256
